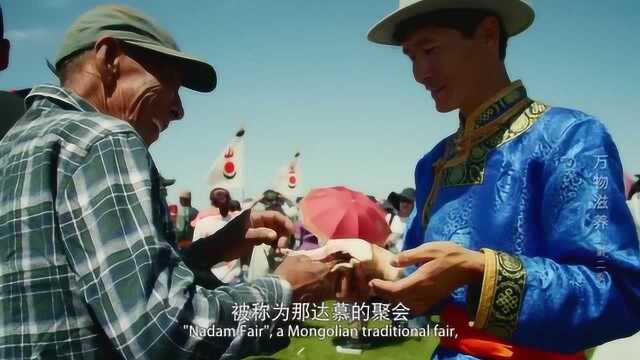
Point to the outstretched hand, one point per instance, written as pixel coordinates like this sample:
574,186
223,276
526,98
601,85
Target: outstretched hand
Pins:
445,266
238,237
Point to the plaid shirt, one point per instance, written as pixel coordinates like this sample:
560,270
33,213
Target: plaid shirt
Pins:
88,266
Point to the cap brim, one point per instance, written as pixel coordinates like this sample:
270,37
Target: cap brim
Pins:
387,205
197,74
395,198
168,182
516,16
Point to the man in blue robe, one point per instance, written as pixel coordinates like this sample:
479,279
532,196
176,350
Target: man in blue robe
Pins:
522,239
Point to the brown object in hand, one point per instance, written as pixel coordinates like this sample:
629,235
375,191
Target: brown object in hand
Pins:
374,260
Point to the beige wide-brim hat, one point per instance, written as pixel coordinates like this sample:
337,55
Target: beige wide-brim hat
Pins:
516,15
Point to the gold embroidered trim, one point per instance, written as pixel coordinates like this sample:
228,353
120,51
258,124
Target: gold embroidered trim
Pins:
459,166
488,289
469,169
490,108
464,144
510,282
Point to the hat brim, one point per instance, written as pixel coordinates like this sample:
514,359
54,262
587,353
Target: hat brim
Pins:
168,182
387,205
395,198
197,74
516,16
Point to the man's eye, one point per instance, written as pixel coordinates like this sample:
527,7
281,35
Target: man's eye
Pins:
429,50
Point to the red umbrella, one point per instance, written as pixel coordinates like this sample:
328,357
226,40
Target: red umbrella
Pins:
341,213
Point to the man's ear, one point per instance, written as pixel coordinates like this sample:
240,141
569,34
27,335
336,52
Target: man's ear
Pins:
108,53
5,45
489,30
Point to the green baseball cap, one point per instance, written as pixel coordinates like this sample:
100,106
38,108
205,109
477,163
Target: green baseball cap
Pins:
134,28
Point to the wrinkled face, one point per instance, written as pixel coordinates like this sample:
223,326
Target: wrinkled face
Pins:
445,62
146,92
405,208
221,199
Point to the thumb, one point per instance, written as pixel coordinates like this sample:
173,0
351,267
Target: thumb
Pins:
418,256
261,235
283,241
382,288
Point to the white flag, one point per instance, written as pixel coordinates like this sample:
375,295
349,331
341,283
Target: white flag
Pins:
288,181
228,169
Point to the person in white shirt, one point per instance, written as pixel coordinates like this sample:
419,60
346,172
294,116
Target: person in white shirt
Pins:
403,203
212,220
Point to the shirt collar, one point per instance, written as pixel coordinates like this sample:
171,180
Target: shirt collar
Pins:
62,97
493,108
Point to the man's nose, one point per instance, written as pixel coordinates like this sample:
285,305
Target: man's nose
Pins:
422,71
177,112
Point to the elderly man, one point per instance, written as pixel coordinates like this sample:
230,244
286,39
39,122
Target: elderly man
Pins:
522,229
89,265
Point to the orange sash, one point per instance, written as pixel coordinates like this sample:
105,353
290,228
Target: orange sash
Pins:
476,342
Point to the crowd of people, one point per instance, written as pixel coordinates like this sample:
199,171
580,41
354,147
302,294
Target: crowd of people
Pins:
192,224
517,233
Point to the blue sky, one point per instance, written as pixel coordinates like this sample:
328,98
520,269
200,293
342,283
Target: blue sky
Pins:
302,76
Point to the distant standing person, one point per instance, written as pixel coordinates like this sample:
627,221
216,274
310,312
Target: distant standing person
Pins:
403,204
186,214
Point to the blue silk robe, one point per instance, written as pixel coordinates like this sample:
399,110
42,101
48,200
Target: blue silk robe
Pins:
543,186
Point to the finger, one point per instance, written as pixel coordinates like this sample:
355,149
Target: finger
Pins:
360,284
273,220
313,265
355,287
257,218
283,242
394,290
261,235
383,289
315,254
342,286
269,219
325,266
261,218
360,275
329,264
282,224
320,274
328,284
421,254
302,257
